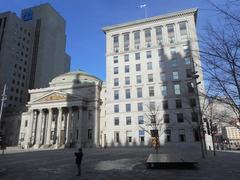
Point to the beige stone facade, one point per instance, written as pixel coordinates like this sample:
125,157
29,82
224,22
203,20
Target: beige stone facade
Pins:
66,114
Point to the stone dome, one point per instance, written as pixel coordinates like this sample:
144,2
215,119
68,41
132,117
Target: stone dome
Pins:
74,78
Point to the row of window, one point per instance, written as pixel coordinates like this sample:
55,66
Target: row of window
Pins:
168,135
161,54
165,119
148,36
178,105
151,91
163,77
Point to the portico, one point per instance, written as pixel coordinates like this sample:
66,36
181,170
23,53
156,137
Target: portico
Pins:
63,116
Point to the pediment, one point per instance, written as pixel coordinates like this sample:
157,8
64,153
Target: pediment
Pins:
55,96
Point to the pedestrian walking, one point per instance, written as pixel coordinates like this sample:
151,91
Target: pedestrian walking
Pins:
79,156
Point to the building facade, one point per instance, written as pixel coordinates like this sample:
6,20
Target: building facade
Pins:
32,53
150,65
66,114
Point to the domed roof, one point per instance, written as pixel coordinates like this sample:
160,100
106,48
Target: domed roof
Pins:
74,77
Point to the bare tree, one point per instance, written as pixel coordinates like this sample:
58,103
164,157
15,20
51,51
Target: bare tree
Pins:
220,54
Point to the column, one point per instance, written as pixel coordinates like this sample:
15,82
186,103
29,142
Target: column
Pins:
79,125
96,125
29,130
39,128
49,124
59,123
68,128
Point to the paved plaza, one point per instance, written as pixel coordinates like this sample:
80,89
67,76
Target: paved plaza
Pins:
113,163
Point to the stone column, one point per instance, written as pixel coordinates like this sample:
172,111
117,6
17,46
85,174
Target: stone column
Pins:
39,128
96,125
29,130
49,124
59,123
79,127
68,125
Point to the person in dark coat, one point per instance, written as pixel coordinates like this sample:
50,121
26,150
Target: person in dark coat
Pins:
79,156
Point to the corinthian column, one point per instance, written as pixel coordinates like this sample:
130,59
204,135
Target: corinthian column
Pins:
59,123
39,128
29,130
79,127
49,124
68,128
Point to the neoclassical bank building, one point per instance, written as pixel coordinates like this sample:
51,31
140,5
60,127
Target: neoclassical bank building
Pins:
65,114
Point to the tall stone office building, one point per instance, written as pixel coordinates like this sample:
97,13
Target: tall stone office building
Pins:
149,66
32,53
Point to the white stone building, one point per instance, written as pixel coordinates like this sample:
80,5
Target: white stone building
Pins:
65,114
150,63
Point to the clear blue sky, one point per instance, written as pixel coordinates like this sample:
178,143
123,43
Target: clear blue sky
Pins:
85,19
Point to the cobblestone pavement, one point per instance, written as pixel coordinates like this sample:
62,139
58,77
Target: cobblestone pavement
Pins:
114,163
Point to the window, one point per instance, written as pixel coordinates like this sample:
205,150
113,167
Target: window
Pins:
149,65
149,54
166,118
170,30
140,120
174,62
177,89
127,69
128,107
127,80
116,108
175,75
137,39
188,73
181,133
179,117
116,94
152,106
168,135
138,67
128,120
193,102
141,136
126,41
137,56
116,82
187,60
116,43
194,117
139,92
165,104
164,90
139,79
26,123
116,137
163,76
183,29
173,51
148,37
129,136
116,121
161,64
115,59
126,57
186,50
150,77
151,91
159,35
190,87
196,134
178,103
115,70
140,106
127,94
160,52
153,119
89,134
